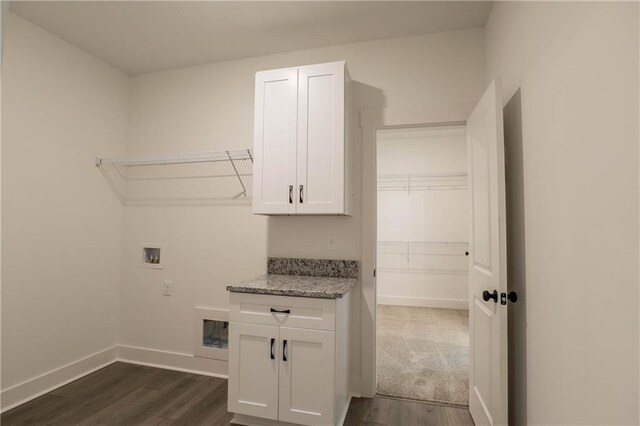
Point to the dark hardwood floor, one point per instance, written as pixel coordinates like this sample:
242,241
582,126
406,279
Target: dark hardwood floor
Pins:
397,412
131,395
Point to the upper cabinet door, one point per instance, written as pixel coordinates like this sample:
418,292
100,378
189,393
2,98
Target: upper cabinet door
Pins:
321,139
274,171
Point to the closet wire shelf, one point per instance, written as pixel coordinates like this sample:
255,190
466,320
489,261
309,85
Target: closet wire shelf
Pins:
422,182
430,257
179,177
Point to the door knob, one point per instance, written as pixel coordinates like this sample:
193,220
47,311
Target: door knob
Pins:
486,296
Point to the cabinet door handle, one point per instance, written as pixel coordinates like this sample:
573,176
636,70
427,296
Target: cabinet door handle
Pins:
284,350
273,342
285,311
301,189
290,194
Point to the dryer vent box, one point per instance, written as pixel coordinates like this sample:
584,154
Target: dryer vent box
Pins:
211,333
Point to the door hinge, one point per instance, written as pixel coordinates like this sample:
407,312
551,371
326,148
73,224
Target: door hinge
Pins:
374,273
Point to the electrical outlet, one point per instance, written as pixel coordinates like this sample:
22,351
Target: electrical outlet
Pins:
331,242
167,287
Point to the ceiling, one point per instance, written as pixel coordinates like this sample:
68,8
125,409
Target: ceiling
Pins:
145,36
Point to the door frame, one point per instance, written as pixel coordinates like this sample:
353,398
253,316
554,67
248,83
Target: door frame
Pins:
372,120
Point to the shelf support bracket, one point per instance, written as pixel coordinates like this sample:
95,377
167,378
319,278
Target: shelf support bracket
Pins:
244,190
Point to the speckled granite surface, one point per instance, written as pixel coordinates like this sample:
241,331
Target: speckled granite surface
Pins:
313,267
296,285
319,278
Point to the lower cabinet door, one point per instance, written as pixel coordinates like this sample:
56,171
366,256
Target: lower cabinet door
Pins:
307,376
253,370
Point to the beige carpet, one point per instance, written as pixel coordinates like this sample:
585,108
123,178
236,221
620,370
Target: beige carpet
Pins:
423,354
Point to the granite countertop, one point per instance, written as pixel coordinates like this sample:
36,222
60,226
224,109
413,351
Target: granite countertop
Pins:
319,278
296,285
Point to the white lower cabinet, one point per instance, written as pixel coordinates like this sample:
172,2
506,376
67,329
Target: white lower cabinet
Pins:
254,367
306,388
280,375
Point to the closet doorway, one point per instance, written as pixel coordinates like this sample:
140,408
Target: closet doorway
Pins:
422,270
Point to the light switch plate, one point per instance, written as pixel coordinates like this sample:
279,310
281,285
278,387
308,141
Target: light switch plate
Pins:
167,288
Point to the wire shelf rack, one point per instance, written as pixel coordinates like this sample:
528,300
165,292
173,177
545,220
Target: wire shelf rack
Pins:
422,182
430,257
180,177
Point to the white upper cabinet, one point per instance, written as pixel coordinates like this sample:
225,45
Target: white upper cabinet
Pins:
276,117
301,142
321,139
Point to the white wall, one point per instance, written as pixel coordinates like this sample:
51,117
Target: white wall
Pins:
210,107
576,65
433,275
61,225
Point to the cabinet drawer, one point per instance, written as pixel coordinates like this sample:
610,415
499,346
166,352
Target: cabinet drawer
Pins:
318,314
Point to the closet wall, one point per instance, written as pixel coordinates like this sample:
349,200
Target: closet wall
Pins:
422,217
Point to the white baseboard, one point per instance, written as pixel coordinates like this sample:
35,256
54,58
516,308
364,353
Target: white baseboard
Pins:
423,302
37,386
345,410
173,361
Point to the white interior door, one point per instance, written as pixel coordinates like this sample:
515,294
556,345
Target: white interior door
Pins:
488,261
275,127
253,370
321,139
